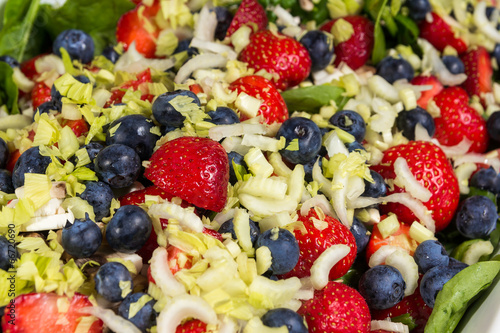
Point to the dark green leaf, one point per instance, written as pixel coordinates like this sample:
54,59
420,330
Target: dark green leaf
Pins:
376,8
8,89
312,98
389,22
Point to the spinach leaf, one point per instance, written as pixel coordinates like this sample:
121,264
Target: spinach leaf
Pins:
458,294
312,98
8,89
376,9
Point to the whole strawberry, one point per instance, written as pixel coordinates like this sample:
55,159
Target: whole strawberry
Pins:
337,308
250,12
478,69
322,233
428,164
458,120
193,169
278,54
439,34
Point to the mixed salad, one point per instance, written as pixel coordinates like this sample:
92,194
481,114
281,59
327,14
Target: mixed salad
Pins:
247,166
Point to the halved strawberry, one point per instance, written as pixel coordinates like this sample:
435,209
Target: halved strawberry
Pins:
134,27
79,126
427,95
478,69
192,326
249,12
40,94
273,108
439,34
42,313
400,238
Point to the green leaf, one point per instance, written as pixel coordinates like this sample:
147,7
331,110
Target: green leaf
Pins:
376,9
312,98
406,319
458,294
8,89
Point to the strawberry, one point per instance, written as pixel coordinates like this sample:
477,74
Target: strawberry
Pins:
400,238
249,12
458,120
28,67
478,69
79,126
278,54
118,93
40,94
355,51
177,259
138,197
337,308
39,313
427,95
13,157
440,34
134,26
428,163
273,108
193,169
192,326
316,240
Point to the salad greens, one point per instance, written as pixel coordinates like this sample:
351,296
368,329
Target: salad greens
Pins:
8,89
312,98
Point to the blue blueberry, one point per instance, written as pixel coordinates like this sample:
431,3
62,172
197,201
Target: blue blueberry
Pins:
145,318
129,229
183,45
237,159
224,19
108,278
429,254
110,53
393,69
223,116
433,281
457,265
166,114
309,139
486,179
4,153
77,43
361,235
496,53
418,9
99,196
29,162
11,61
48,107
319,45
93,148
454,64
353,146
133,131
489,12
5,256
285,317
118,165
6,185
351,122
82,238
493,123
408,120
376,189
308,167
382,287
228,227
476,217
284,249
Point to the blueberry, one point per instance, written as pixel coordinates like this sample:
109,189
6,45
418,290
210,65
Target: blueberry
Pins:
93,148
454,64
77,43
433,281
393,69
110,53
11,61
495,54
476,217
284,317
224,19
118,165
29,162
408,120
99,196
144,318
237,159
82,238
6,253
489,12
308,167
382,287
133,131
353,146
319,45
309,139
429,254
48,107
376,189
6,181
223,116
418,9
166,113
228,227
457,265
4,153
183,45
351,122
493,123
108,278
284,249
360,233
486,179
129,229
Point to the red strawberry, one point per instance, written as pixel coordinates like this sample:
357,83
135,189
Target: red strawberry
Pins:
192,326
278,54
14,156
440,34
118,93
79,127
39,313
427,95
355,51
40,94
193,169
459,120
429,165
249,12
337,308
28,67
138,197
400,238
273,108
177,259
478,68
133,27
